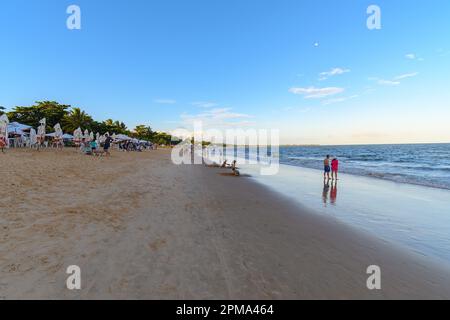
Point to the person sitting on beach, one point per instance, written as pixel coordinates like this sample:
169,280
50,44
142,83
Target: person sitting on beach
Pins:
235,168
334,168
87,149
224,164
82,144
2,144
327,168
94,145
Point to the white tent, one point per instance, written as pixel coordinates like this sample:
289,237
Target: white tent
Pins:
91,136
122,137
17,128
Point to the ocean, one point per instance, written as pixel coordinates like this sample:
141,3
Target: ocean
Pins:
422,164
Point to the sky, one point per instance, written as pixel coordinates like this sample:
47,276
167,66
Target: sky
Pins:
311,69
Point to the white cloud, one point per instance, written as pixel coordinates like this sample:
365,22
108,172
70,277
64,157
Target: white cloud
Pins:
316,93
204,104
394,81
413,56
388,82
333,72
218,118
406,75
338,100
165,101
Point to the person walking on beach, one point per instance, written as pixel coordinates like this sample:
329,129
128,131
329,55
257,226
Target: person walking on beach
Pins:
327,168
334,169
107,145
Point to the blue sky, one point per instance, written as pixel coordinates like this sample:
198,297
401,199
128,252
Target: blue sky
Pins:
309,68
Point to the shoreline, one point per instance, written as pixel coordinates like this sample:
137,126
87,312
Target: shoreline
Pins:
141,228
373,177
377,206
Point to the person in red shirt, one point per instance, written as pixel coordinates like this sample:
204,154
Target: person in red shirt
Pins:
2,143
334,168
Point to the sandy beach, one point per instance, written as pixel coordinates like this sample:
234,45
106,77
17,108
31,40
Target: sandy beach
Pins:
140,227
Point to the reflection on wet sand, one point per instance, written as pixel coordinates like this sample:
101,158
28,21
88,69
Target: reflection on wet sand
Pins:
329,193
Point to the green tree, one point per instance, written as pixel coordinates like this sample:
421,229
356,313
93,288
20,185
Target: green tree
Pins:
51,110
115,127
162,138
143,132
75,119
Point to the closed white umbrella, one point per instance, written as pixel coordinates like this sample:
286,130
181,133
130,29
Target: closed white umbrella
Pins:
86,135
78,135
41,128
58,131
4,128
33,137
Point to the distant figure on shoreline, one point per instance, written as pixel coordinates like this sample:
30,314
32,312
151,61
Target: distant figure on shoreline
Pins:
327,167
334,168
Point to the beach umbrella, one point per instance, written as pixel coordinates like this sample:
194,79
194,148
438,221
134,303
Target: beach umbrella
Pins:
4,128
4,121
33,137
41,128
58,131
78,134
86,135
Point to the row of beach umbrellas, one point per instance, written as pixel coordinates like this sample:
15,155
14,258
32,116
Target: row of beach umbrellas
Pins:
78,135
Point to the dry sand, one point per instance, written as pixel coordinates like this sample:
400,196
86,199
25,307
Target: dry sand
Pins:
142,228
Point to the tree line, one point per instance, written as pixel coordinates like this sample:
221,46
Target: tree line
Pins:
71,118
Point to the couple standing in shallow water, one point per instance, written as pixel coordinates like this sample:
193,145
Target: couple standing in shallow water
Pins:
331,166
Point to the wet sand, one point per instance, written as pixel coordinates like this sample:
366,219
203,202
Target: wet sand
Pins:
141,228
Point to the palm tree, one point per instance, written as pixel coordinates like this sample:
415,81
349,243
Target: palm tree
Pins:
77,119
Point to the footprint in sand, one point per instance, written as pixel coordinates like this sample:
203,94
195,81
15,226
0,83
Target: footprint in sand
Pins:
156,245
